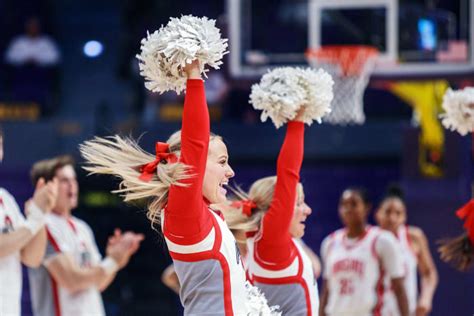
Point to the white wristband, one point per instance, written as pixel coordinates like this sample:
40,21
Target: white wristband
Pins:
109,265
35,220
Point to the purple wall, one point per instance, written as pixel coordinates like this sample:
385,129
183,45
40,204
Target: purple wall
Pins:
430,203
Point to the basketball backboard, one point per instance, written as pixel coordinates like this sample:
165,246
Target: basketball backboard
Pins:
413,39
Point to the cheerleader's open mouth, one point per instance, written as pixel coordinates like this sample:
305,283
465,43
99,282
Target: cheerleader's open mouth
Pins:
223,190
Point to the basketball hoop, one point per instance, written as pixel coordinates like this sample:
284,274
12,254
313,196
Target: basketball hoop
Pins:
350,66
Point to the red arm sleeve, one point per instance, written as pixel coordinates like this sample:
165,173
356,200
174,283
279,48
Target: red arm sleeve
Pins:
274,245
187,219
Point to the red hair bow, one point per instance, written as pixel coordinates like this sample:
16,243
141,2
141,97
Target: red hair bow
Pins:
466,213
246,205
162,155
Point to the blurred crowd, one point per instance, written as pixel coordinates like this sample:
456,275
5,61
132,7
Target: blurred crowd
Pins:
31,62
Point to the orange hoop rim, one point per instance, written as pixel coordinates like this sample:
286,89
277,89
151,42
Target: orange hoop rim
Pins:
351,58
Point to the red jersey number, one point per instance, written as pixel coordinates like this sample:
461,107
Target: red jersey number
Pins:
346,287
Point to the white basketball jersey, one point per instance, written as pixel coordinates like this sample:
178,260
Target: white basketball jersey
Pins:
10,266
357,282
69,236
410,262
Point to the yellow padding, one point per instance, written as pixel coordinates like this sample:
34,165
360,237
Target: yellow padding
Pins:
19,111
426,98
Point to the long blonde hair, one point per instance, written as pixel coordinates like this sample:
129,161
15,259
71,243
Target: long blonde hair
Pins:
123,157
261,193
457,251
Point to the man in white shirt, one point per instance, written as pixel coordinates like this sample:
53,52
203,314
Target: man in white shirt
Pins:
73,272
33,47
32,59
21,240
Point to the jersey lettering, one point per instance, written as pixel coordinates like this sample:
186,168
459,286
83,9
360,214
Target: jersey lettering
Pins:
349,265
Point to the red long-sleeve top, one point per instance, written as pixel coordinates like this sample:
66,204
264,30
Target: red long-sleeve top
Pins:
274,245
187,219
198,240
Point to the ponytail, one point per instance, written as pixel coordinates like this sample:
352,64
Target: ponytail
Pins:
124,158
458,251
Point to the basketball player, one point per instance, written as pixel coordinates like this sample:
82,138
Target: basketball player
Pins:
391,215
361,265
21,240
73,272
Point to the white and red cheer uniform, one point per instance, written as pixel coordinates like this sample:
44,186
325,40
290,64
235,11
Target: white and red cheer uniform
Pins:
277,263
203,249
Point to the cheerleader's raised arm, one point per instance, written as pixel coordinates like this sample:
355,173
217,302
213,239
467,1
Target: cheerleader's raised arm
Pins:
275,245
186,217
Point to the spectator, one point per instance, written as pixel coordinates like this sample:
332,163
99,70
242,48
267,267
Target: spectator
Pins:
31,60
33,47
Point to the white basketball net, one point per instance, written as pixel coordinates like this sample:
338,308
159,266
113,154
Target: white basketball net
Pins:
347,106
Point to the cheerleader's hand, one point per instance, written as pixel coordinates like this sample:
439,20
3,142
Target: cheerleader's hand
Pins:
192,70
300,115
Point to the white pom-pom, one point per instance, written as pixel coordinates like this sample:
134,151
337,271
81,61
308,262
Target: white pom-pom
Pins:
257,303
279,95
459,110
319,85
283,91
165,52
